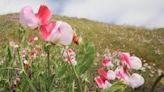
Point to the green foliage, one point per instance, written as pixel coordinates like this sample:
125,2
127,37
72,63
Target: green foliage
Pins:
147,44
85,57
117,87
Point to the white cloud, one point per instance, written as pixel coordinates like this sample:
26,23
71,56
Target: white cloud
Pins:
148,13
132,12
12,6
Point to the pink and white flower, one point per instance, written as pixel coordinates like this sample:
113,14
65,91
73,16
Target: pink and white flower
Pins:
57,32
103,73
122,73
105,62
131,61
69,56
102,83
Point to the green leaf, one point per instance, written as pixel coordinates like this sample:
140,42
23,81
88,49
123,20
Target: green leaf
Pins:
117,87
85,57
8,54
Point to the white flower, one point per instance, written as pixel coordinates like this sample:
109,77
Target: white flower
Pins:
136,80
111,75
135,63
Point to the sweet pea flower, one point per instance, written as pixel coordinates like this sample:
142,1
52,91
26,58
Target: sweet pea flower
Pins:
136,80
103,73
122,73
32,54
124,58
106,62
28,18
57,32
111,74
44,14
24,51
69,56
131,61
32,40
135,63
102,83
31,20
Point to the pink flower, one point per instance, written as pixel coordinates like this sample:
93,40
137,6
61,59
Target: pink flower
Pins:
24,52
106,62
32,54
135,80
28,18
103,73
102,83
44,14
122,73
71,52
125,58
32,40
69,56
57,32
131,61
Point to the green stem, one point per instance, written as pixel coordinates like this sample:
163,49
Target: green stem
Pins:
19,59
156,82
8,68
48,63
77,77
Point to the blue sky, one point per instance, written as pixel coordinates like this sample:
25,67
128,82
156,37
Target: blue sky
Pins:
147,13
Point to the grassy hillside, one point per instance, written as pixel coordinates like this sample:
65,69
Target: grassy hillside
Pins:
144,43
147,44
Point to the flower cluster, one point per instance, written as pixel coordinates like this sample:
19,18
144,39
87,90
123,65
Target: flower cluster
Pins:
117,65
69,56
54,32
33,53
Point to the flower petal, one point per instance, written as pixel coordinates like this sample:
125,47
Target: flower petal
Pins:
111,75
44,14
103,73
28,18
135,63
66,33
46,31
136,80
